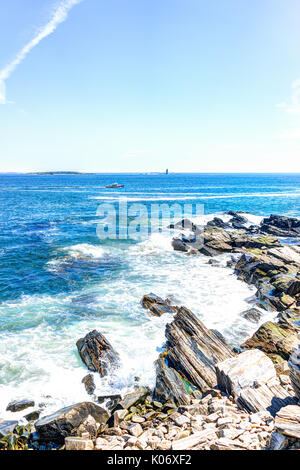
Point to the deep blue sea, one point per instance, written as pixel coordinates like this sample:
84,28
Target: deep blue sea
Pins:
58,280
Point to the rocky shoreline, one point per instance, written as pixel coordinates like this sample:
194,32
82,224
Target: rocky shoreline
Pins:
208,394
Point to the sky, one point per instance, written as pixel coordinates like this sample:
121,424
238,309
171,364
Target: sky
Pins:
144,85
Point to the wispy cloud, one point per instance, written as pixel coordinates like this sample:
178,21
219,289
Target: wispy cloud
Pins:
289,134
293,107
59,15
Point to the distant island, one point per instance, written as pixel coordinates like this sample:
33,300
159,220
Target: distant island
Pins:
58,173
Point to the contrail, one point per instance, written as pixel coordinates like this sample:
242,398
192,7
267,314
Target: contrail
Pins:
59,16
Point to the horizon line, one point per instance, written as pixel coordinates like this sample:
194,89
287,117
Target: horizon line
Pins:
80,173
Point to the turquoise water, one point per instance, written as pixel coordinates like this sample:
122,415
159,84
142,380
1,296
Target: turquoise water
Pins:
58,280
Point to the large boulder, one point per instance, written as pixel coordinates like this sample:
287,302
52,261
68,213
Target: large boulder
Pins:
287,421
210,241
191,353
184,224
97,353
281,226
19,405
156,305
252,314
218,239
7,427
251,379
179,245
217,222
276,340
67,421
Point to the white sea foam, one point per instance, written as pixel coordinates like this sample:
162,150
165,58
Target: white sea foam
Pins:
86,250
203,219
39,358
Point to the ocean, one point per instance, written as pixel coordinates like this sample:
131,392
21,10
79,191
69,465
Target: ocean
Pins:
58,280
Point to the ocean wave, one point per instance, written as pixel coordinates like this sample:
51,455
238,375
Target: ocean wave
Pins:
86,250
192,197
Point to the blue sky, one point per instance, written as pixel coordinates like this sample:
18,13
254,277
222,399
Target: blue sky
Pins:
142,85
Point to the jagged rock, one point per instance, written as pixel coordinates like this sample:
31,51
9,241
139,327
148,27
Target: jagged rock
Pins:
134,398
253,229
185,224
217,239
254,266
282,283
89,384
33,416
214,262
20,405
117,417
238,219
251,379
278,441
156,305
97,353
6,427
252,314
281,226
282,368
294,288
192,351
67,421
179,245
237,225
244,370
169,384
287,421
294,366
287,254
275,340
217,222
113,400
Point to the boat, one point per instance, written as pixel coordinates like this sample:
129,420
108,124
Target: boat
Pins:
115,185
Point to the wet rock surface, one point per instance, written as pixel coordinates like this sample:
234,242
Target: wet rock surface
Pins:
89,384
19,405
97,353
252,314
281,226
7,426
156,305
